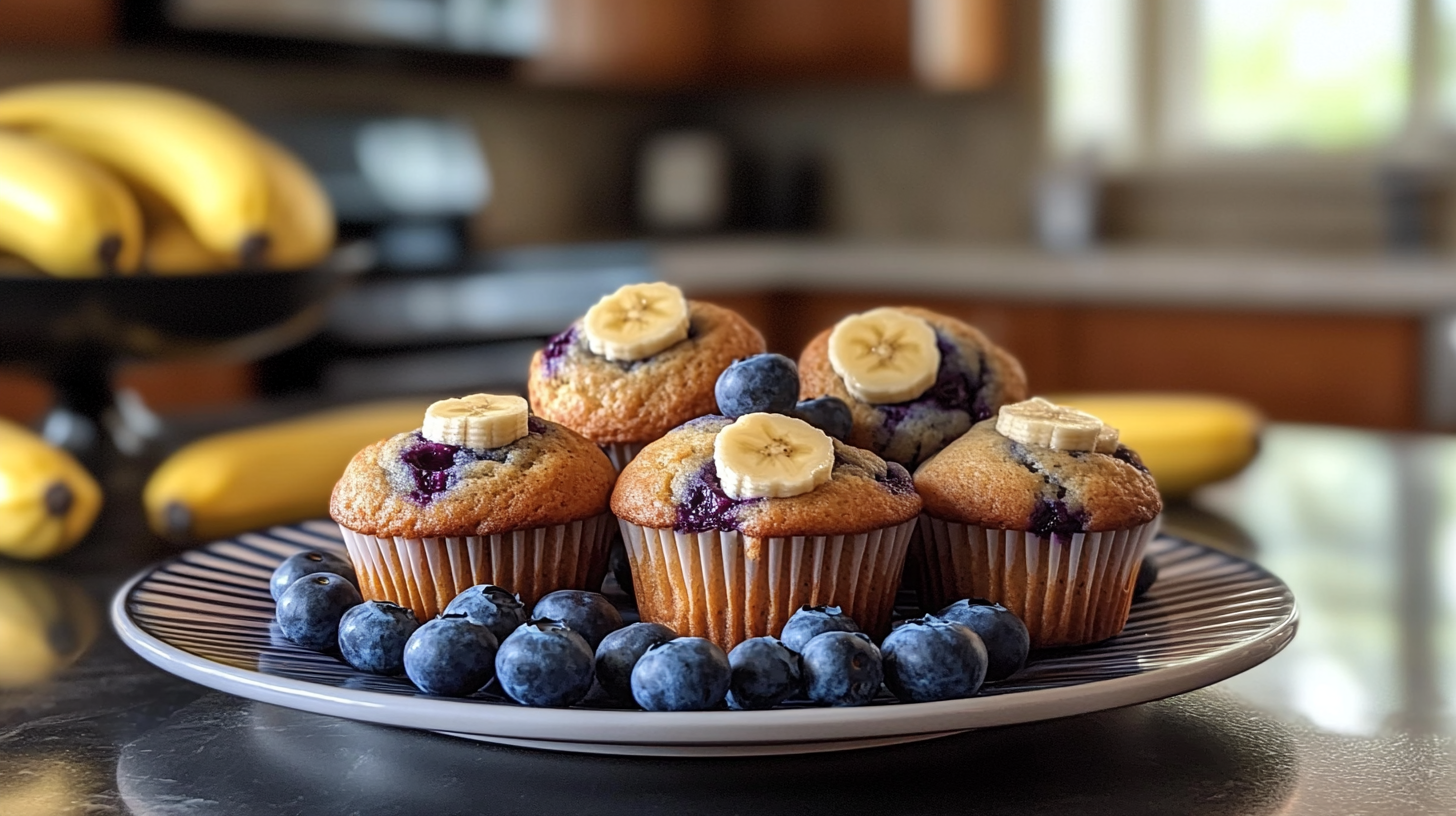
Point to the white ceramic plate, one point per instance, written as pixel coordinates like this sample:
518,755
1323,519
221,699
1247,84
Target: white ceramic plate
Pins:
206,615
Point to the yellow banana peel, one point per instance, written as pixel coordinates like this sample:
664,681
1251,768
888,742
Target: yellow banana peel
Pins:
239,200
1186,440
48,501
270,474
63,213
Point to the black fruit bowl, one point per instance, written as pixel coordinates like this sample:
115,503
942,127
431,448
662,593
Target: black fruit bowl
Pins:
73,332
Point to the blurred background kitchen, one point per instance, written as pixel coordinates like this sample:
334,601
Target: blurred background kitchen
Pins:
1228,196
1247,199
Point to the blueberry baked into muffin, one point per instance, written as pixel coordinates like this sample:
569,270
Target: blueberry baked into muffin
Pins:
642,361
914,380
483,493
1043,511
733,524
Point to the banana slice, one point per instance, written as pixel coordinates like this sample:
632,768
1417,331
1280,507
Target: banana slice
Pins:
772,456
1106,440
1042,422
636,321
479,421
884,355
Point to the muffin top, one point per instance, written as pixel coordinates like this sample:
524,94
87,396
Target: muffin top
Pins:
411,487
975,378
674,483
990,480
640,400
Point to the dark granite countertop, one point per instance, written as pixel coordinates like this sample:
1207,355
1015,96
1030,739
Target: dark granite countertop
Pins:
1353,717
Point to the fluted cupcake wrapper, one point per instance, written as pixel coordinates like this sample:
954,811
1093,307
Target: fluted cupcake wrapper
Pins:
622,452
728,587
425,574
1068,589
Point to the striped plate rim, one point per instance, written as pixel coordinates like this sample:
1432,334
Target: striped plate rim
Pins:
206,615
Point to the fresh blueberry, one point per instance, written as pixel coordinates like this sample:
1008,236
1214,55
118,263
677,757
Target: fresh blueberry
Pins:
372,636
809,621
685,674
1004,635
765,673
930,659
1146,577
450,656
763,382
499,610
829,414
307,563
589,614
842,669
619,653
310,609
545,664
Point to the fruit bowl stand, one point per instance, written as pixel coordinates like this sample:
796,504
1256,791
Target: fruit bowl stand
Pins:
74,331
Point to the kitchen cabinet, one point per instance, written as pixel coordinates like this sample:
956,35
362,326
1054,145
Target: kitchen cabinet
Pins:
72,23
187,385
950,44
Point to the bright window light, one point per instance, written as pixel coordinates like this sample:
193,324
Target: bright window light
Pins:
1091,56
1324,74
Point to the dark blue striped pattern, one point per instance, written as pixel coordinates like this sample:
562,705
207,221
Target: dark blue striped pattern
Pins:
213,602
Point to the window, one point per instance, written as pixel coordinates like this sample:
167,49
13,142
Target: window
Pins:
1145,81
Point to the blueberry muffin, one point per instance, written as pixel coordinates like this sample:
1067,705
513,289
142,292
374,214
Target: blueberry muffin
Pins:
914,380
483,493
1043,511
731,525
642,361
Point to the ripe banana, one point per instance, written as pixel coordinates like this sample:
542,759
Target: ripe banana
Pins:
884,355
48,501
202,159
636,321
64,213
171,248
478,422
1040,422
1186,440
772,456
300,224
269,474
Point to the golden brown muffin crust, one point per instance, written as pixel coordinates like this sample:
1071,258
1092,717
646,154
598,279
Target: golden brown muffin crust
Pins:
551,476
913,439
639,402
988,480
863,494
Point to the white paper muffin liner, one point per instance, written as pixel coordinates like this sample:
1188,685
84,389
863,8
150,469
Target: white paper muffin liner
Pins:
425,574
1069,590
728,587
622,452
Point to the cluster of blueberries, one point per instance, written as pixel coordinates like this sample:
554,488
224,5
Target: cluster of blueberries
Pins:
574,644
769,383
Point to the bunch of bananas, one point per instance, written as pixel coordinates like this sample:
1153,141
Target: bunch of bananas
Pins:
111,178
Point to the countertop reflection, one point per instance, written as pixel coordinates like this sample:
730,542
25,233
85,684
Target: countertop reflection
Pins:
1353,717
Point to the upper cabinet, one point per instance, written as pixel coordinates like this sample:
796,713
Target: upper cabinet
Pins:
948,44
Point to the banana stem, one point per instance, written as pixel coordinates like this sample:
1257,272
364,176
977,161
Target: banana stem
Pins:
254,251
107,251
58,499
